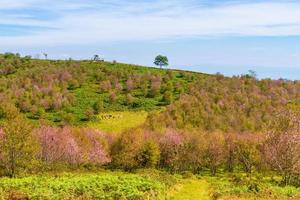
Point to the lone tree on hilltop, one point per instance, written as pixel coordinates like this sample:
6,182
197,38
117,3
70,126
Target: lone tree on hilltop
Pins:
96,57
161,61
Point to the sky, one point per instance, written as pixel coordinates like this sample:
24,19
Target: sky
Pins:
226,36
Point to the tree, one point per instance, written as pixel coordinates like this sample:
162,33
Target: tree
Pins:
171,146
155,88
168,97
229,149
105,86
17,144
98,106
57,145
193,154
149,155
161,61
96,57
89,114
96,147
282,146
214,151
112,97
247,150
129,99
129,85
125,150
252,74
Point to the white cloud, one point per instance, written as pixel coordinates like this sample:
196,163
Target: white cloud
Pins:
83,22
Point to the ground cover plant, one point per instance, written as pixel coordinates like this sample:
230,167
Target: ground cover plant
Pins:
81,186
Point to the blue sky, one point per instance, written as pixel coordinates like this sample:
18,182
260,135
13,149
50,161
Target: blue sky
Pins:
227,36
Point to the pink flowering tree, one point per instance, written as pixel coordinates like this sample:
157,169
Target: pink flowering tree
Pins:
58,145
282,146
96,149
171,144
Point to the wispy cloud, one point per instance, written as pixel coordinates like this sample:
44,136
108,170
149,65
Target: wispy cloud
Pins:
91,21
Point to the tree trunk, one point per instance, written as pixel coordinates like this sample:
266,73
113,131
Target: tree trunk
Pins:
12,164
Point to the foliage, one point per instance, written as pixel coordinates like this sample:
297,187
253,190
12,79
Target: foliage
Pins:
66,92
72,147
126,149
214,152
247,151
171,145
17,146
149,155
51,114
161,61
236,104
240,186
282,147
83,186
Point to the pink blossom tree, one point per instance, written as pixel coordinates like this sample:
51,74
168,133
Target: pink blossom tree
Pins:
171,144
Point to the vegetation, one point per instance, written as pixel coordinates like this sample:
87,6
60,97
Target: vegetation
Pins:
161,61
72,92
239,186
118,122
198,130
81,186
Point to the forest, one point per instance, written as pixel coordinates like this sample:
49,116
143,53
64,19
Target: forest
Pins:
108,130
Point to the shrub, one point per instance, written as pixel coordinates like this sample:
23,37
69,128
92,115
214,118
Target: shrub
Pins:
126,148
105,86
94,147
98,106
168,97
149,155
89,114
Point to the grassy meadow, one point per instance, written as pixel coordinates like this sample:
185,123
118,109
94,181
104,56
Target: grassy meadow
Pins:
118,122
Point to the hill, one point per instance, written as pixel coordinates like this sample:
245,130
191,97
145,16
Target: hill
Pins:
71,92
76,92
183,134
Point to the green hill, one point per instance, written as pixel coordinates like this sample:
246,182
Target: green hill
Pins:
77,92
74,91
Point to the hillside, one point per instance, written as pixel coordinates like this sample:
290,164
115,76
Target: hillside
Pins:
73,91
76,92
101,130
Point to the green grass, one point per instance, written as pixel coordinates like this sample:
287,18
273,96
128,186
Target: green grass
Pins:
144,184
106,186
238,186
191,189
117,122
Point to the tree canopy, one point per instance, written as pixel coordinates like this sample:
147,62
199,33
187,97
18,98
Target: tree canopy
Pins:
161,61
